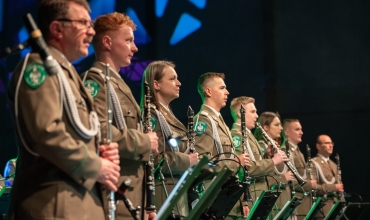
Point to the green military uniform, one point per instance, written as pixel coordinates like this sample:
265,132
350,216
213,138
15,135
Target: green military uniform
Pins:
300,165
259,166
325,172
57,180
280,170
205,144
134,146
178,160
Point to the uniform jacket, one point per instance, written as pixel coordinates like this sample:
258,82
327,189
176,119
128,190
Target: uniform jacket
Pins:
134,146
330,171
60,183
178,162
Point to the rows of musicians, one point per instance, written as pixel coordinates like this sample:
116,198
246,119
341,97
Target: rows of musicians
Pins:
89,150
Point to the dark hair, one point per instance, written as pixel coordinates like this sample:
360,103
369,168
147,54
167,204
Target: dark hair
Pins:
204,78
288,121
51,10
265,119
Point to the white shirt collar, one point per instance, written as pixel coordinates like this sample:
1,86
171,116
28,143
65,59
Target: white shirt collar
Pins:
216,112
165,107
326,159
245,127
292,146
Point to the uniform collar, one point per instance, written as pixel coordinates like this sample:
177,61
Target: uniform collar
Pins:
326,159
216,112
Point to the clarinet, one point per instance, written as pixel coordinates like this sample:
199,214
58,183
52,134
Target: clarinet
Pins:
149,166
191,133
111,202
310,171
290,166
290,182
339,175
247,193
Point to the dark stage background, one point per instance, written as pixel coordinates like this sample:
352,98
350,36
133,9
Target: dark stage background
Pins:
304,59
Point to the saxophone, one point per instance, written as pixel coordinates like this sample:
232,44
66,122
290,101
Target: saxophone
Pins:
290,166
191,133
339,176
309,169
108,140
247,193
149,166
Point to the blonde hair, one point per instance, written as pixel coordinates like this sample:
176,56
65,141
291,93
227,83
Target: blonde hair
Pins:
236,102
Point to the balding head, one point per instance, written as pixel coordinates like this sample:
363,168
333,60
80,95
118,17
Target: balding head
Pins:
324,145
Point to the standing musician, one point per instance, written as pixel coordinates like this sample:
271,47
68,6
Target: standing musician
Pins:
165,87
114,45
259,166
213,137
293,131
326,174
270,122
57,166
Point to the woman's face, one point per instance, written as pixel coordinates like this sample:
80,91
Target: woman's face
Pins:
168,87
274,129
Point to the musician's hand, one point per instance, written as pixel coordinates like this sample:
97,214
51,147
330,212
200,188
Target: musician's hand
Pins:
244,160
245,211
194,159
153,142
289,176
110,152
280,157
339,187
109,174
313,184
151,215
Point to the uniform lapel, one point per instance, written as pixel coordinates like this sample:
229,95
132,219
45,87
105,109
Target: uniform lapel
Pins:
174,121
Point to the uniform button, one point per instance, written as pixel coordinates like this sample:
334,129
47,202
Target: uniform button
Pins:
129,111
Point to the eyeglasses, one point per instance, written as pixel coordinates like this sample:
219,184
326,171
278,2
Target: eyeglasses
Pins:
86,23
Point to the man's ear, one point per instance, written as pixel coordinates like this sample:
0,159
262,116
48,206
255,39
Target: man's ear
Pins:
239,115
208,92
106,41
55,29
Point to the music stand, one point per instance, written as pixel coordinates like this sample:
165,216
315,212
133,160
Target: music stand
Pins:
180,189
4,200
335,210
353,210
288,209
230,194
210,194
314,209
262,207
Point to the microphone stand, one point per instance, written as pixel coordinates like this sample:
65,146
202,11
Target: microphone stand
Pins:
159,176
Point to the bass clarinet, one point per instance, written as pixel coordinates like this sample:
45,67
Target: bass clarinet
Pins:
149,166
247,193
112,202
310,171
290,166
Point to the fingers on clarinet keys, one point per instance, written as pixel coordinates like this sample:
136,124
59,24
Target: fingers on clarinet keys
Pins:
194,159
109,174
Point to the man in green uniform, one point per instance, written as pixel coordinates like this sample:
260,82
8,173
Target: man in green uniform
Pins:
58,167
213,137
114,45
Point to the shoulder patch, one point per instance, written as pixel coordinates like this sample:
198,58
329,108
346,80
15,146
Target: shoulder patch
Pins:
200,127
153,121
92,87
34,75
237,141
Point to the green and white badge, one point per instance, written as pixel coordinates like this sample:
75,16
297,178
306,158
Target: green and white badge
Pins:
92,87
237,141
34,75
153,121
200,127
